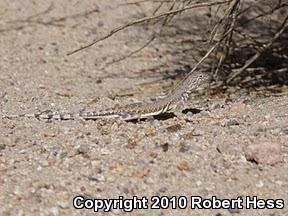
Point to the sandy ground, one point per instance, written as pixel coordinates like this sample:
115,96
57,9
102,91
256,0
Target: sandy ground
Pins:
234,145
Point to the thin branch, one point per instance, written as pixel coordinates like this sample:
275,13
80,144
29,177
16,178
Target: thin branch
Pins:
146,19
229,25
208,53
149,41
154,1
258,54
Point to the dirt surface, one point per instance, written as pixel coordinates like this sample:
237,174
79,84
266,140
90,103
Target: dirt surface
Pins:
229,145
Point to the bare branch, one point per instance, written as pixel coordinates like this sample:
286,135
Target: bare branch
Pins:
146,19
259,53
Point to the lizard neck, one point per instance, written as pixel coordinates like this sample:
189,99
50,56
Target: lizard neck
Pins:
179,94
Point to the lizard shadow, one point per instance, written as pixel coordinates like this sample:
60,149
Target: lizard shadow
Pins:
161,117
166,116
192,110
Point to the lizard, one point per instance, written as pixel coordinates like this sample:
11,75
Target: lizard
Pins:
173,101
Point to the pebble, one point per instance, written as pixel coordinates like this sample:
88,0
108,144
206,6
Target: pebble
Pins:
83,149
163,189
229,122
264,153
285,130
174,128
184,148
54,211
97,178
183,165
165,147
19,212
2,146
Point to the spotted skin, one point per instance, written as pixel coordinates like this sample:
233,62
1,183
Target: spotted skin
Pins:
173,101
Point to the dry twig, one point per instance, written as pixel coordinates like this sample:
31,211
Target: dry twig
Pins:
147,19
259,53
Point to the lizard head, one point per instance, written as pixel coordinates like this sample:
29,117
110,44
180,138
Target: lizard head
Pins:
197,80
202,78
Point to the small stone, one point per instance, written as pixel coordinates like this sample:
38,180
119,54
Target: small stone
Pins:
174,128
149,180
276,131
163,189
165,147
141,173
285,130
197,132
260,184
238,107
6,142
104,152
183,165
192,134
95,141
100,23
20,212
229,122
54,211
2,146
98,81
97,178
264,153
218,165
83,149
215,106
184,147
132,143
150,131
